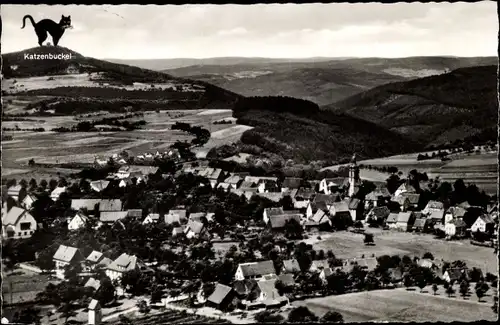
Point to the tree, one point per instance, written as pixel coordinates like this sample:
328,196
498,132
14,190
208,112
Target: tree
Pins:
369,239
43,184
31,162
464,288
268,317
45,260
156,294
479,293
143,306
332,317
287,203
28,315
301,314
428,255
407,281
434,288
106,292
293,229
450,291
495,305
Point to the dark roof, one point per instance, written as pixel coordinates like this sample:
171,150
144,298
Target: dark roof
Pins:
420,222
354,203
279,221
273,211
459,223
413,198
291,182
89,204
305,193
244,287
257,268
342,206
456,273
220,293
136,213
329,199
380,212
291,266
486,218
110,205
321,205
287,279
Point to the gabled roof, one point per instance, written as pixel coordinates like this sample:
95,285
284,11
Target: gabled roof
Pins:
110,205
195,226
58,191
273,211
91,282
329,199
456,273
172,218
100,185
82,216
464,205
65,253
14,190
279,221
420,222
404,217
320,217
105,261
407,188
320,264
223,185
380,212
135,213
327,272
321,205
178,230
220,293
354,203
198,216
144,170
287,279
342,206
272,196
182,213
291,182
13,216
425,262
369,263
486,218
337,181
459,223
436,215
123,263
89,204
247,184
94,257
434,205
268,287
257,268
94,304
457,212
258,179
233,179
392,218
112,216
154,216
291,266
305,193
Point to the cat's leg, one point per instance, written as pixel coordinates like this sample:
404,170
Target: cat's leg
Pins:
56,40
42,35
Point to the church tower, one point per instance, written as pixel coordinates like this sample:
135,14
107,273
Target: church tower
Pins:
354,179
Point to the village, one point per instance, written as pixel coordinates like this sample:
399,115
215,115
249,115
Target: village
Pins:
187,236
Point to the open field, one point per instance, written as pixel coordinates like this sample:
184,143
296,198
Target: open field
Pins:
52,147
346,244
400,305
23,286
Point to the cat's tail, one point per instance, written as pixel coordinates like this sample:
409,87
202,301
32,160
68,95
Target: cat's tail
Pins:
30,18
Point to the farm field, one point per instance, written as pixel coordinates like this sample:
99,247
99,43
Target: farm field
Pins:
52,147
23,286
395,305
347,245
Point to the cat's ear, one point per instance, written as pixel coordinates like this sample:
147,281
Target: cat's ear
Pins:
62,16
69,17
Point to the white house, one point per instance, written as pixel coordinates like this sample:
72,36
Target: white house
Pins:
28,201
54,195
14,191
456,227
122,264
65,255
78,221
483,223
18,223
268,212
151,218
404,188
433,206
194,229
100,185
318,265
255,270
95,313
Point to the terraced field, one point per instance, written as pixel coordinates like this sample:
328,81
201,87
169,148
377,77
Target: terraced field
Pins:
174,317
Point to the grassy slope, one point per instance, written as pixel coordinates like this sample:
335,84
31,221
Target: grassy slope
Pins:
436,109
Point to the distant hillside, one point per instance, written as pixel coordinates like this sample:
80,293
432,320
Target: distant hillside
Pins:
83,77
299,130
436,109
320,80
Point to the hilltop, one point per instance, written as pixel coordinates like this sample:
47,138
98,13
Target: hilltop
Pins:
320,80
436,109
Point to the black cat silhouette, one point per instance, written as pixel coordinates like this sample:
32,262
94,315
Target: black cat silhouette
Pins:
45,26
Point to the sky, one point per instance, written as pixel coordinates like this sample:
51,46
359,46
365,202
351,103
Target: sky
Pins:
264,30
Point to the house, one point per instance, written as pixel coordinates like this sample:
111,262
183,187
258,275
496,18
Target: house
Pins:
112,216
78,221
85,204
483,223
433,206
377,197
325,273
328,199
340,209
255,270
272,196
318,265
395,274
18,223
319,220
178,231
287,279
110,205
198,216
291,183
134,213
95,258
331,185
28,201
151,218
303,197
427,263
100,185
93,283
421,224
234,181
54,195
378,213
436,217
14,192
407,200
225,186
405,221
313,207
278,222
268,294
122,264
195,229
65,255
290,266
455,228
369,263
214,175
391,221
176,215
125,182
405,188
95,313
355,209
455,274
221,298
250,186
268,212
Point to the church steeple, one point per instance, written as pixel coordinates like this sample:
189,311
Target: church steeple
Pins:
353,176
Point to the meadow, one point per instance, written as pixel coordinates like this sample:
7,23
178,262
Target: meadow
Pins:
401,305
